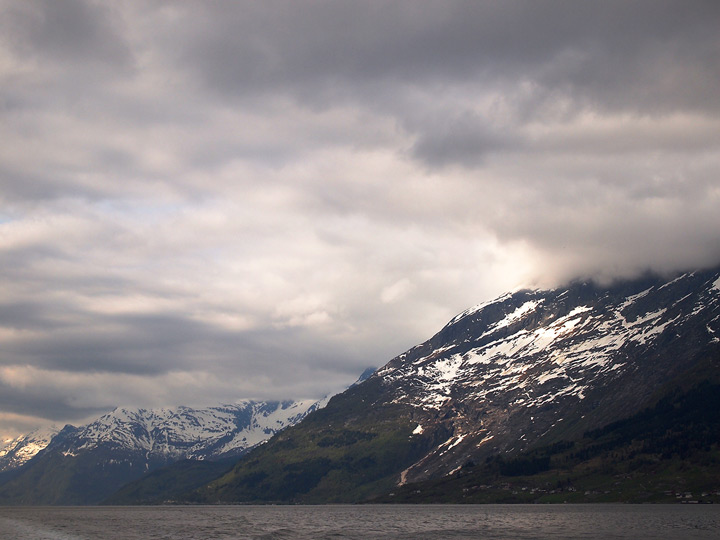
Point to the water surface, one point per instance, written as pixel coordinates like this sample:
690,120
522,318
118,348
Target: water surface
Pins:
362,522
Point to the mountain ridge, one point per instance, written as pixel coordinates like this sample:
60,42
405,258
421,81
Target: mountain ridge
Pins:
86,464
528,369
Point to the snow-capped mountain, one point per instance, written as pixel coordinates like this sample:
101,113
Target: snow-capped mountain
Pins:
187,433
16,452
540,365
528,369
86,464
173,433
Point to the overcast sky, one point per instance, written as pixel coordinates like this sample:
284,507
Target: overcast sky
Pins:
207,201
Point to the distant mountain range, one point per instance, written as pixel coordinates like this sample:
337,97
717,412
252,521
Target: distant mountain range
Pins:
581,393
84,465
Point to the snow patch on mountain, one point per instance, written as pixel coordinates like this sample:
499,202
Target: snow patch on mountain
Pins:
669,283
183,432
516,315
266,422
634,298
16,452
479,307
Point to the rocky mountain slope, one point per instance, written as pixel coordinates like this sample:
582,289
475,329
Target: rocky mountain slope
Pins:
525,370
666,453
86,464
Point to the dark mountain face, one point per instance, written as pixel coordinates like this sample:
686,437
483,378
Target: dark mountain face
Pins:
667,453
525,370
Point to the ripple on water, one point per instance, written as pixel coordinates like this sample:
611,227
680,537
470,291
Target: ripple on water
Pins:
362,522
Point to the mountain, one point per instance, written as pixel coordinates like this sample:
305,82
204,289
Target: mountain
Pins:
173,482
666,453
169,483
14,453
525,371
87,464
169,434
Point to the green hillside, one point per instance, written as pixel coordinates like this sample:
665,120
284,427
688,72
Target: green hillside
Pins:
169,483
346,452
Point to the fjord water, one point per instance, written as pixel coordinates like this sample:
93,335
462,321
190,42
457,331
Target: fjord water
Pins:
361,522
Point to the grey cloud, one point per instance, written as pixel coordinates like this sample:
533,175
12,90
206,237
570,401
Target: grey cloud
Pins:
547,60
64,337
138,347
26,315
46,404
609,231
23,186
617,55
72,32
463,141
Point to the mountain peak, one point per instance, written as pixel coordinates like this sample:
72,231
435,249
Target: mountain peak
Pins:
14,453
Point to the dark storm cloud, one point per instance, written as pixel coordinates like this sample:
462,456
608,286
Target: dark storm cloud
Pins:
543,59
463,141
134,345
71,32
609,54
44,401
26,315
63,338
